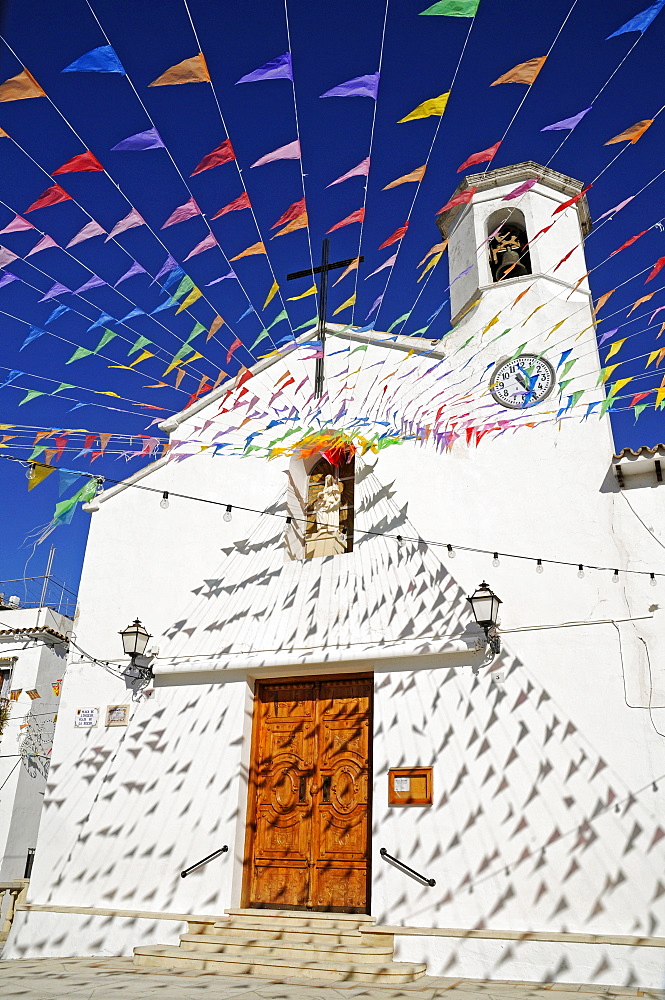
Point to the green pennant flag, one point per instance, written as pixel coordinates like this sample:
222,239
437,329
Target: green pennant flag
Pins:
465,344
399,320
139,345
80,352
568,365
63,385
261,336
638,409
563,385
453,8
37,451
574,398
278,319
198,329
360,347
501,335
106,337
606,405
87,492
181,353
309,322
31,395
185,285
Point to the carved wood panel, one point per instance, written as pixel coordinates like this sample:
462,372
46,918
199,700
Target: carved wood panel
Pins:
309,808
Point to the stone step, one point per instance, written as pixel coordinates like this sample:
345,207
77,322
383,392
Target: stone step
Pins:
305,934
250,946
300,918
167,956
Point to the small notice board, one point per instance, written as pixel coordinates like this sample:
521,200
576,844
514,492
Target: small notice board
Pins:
410,786
86,718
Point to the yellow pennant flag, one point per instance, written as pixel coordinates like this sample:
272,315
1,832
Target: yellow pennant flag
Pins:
254,249
645,298
602,300
20,87
617,386
435,106
192,70
491,324
415,175
589,327
660,394
310,291
143,356
214,327
652,357
615,348
533,313
300,222
195,294
606,372
345,305
39,473
274,288
556,327
433,261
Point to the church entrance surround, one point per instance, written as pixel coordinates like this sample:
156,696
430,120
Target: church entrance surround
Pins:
308,815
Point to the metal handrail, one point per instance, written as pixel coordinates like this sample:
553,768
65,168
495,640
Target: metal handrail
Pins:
205,861
429,881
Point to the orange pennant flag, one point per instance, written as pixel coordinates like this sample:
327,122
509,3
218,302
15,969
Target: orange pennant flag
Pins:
525,72
20,87
520,296
40,435
214,327
3,134
602,300
633,133
415,175
300,222
254,249
180,374
353,266
437,248
645,298
192,70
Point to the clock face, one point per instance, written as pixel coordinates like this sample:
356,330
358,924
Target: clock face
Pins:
521,382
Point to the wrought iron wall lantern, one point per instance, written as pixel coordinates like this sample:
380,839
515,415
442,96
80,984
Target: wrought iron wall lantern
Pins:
485,606
134,641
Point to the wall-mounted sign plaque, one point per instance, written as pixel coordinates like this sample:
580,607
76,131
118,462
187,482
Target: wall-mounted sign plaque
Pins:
410,786
86,718
117,715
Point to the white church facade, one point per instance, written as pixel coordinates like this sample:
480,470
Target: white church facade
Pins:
323,703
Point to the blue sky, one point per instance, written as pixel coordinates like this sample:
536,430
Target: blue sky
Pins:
330,43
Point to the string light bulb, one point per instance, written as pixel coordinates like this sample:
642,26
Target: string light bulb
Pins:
615,576
652,579
399,541
539,566
164,502
495,560
451,551
288,520
580,571
30,471
227,513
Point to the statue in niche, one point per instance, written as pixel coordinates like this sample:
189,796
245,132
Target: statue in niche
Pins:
326,507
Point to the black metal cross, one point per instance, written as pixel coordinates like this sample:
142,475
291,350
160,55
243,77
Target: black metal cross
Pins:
323,303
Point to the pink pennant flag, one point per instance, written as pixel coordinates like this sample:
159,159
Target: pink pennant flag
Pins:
234,346
91,229
362,170
6,256
289,152
617,208
186,211
17,225
521,189
131,220
207,244
44,244
484,156
386,263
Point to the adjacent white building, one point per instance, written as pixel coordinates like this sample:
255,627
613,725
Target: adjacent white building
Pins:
309,709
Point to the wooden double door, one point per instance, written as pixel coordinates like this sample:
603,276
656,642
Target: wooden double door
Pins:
309,809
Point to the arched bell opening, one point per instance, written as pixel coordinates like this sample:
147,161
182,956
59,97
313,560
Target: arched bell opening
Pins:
508,246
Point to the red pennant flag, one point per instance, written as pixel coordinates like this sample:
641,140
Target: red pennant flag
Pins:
396,236
52,196
660,263
460,199
221,154
485,156
357,216
60,443
83,163
572,201
242,201
234,346
629,242
292,212
640,396
541,233
247,374
564,259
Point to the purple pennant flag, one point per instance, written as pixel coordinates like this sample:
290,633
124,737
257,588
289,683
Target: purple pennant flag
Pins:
56,289
276,69
150,139
359,86
567,123
231,274
376,305
166,267
517,193
607,335
7,278
136,268
94,282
